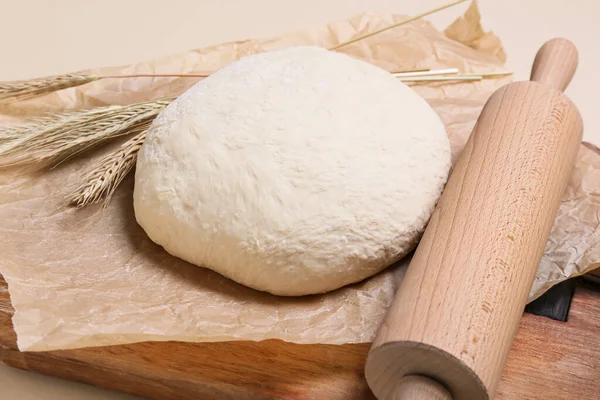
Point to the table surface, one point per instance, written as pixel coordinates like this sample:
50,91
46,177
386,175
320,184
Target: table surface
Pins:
70,35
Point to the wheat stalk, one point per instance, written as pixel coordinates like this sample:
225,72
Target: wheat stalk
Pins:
440,78
23,90
406,21
56,138
428,72
105,175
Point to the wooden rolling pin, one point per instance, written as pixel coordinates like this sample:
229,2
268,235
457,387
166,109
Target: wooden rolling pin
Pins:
453,319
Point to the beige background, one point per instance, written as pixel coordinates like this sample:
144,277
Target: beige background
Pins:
73,34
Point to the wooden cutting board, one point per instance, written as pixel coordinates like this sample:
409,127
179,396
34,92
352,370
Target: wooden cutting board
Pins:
550,360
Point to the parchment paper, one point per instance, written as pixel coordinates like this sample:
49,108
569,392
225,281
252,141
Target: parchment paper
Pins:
83,278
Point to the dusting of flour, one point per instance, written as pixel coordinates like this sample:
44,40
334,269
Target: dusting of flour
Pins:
294,172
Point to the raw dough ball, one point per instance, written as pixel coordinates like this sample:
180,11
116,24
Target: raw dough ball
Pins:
293,172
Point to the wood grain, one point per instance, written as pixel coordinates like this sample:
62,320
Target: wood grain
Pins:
550,360
456,312
412,386
595,272
555,64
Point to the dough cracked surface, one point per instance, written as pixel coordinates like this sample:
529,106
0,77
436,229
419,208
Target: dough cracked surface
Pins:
294,172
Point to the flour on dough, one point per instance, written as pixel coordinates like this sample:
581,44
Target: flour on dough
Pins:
294,172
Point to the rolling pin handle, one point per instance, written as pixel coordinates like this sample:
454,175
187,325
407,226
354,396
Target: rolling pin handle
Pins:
416,387
555,64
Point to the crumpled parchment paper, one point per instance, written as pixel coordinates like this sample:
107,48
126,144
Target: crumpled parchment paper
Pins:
88,278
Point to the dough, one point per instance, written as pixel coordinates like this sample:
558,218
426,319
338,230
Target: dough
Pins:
296,171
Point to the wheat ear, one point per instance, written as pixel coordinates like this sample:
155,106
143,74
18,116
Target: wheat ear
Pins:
105,175
23,90
56,138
